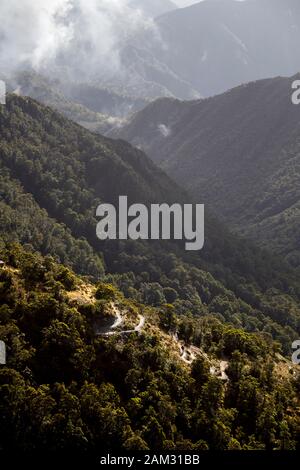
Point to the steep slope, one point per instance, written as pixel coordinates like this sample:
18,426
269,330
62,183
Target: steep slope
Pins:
23,220
148,76
239,152
65,388
69,171
216,45
95,108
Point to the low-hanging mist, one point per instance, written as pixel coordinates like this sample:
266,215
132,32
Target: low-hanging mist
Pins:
82,37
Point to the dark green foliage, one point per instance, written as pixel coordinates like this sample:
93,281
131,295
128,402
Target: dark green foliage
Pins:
236,154
22,220
63,388
106,292
52,163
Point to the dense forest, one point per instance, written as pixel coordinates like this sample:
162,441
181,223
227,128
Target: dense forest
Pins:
134,347
238,152
130,391
55,174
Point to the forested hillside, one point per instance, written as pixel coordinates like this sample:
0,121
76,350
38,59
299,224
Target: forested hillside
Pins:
66,388
143,349
238,152
22,219
64,170
95,108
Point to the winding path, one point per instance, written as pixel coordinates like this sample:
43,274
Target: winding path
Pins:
119,318
189,354
118,322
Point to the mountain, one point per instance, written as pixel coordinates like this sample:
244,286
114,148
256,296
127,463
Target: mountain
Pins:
98,109
186,53
67,171
117,346
23,220
238,152
148,77
103,100
67,388
202,337
213,46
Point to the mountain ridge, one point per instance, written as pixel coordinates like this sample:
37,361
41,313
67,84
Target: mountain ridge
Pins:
211,45
238,152
69,171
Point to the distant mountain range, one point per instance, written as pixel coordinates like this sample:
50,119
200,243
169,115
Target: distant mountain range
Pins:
213,46
238,152
186,53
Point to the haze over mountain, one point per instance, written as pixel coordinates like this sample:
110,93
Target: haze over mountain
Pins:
238,152
187,53
98,109
81,44
216,45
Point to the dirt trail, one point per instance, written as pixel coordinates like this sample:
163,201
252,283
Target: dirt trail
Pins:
189,354
119,318
118,322
223,368
221,371
141,324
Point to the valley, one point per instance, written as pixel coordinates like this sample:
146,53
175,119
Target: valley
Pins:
150,230
238,153
230,277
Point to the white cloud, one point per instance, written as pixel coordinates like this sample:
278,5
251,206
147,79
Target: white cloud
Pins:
87,32
86,35
31,30
164,130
